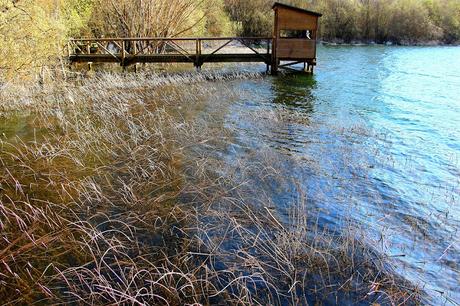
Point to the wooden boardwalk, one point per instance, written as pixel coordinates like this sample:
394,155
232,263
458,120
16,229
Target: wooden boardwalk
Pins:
294,41
131,51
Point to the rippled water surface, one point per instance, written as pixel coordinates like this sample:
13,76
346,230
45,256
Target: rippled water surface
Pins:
374,133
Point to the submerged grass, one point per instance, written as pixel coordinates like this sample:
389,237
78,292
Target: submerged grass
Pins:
105,205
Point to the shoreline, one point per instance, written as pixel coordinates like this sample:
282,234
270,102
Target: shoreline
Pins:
388,44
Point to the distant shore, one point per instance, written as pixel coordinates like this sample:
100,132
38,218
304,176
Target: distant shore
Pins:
388,43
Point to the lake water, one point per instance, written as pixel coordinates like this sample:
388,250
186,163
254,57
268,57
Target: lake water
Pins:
375,134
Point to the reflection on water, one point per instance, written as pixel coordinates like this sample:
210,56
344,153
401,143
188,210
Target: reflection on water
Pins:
295,91
17,126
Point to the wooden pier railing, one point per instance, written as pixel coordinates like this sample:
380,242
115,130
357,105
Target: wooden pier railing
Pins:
129,51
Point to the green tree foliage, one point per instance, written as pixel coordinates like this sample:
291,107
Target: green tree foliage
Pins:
445,14
77,15
251,18
410,23
373,20
32,33
341,20
217,21
399,21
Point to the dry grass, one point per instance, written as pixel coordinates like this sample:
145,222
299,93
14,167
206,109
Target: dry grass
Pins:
105,205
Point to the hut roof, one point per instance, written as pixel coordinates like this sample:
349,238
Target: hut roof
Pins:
277,4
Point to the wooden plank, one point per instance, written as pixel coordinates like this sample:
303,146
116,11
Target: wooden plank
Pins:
293,20
242,58
163,58
169,58
289,48
169,38
96,58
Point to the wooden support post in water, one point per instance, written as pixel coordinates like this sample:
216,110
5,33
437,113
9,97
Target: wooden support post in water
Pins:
134,55
197,53
309,68
275,45
268,54
200,46
198,63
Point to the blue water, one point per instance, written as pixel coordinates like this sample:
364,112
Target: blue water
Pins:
374,135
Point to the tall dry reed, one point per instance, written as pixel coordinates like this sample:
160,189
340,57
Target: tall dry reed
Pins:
112,201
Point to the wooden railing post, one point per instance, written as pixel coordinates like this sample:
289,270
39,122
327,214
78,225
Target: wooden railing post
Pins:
134,42
88,50
123,53
123,49
198,54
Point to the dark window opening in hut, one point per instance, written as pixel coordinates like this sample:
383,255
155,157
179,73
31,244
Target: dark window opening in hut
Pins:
295,34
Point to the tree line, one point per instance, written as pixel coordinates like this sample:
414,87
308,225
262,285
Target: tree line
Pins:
32,33
346,21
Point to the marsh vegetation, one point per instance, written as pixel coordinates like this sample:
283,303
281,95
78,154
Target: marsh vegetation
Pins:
110,198
229,186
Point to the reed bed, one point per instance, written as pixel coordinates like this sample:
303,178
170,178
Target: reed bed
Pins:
112,201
